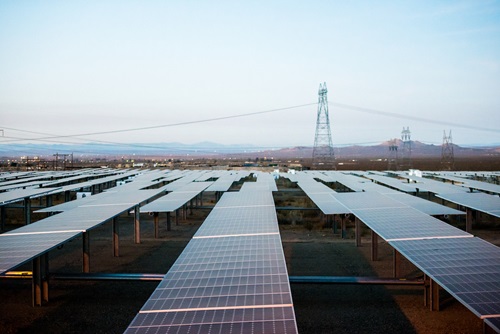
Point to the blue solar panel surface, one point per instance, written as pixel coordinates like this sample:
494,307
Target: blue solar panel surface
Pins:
468,268
230,278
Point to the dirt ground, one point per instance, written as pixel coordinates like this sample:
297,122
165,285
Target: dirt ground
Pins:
109,306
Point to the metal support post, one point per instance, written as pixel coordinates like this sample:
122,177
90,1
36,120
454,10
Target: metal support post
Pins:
86,252
177,217
169,222
426,290
201,198
44,266
116,237
156,220
374,246
37,282
357,231
3,217
67,196
396,270
48,200
470,219
27,210
191,207
343,227
434,297
137,225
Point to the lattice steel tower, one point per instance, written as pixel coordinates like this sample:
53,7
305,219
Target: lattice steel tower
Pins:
323,156
392,161
447,156
405,156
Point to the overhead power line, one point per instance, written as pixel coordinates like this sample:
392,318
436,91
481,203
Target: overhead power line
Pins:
169,125
414,118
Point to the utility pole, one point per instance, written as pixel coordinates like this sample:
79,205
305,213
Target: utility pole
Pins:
55,161
323,155
447,155
64,157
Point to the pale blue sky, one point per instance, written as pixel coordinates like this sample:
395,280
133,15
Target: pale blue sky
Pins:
70,67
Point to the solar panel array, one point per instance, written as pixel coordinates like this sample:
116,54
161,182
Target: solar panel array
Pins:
318,193
226,180
489,204
428,207
377,196
393,183
16,249
230,278
432,186
187,177
468,268
468,183
358,182
232,275
177,198
393,220
20,194
50,232
465,266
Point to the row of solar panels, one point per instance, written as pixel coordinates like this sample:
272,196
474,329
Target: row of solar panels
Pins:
230,278
375,216
466,266
23,244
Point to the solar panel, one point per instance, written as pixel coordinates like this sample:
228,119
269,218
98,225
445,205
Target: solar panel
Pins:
494,323
428,207
468,183
468,268
406,223
225,182
367,200
18,249
328,205
392,182
433,186
489,204
177,198
239,221
66,206
235,199
20,194
231,277
39,237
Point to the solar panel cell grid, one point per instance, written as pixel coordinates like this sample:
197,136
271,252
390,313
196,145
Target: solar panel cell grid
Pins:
468,268
223,282
18,249
406,222
255,320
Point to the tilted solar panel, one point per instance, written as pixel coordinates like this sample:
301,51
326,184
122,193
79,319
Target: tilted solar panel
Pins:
230,278
468,268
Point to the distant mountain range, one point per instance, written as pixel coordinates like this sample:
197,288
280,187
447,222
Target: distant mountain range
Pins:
209,149
418,150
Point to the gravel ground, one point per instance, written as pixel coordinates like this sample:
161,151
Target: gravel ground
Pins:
108,307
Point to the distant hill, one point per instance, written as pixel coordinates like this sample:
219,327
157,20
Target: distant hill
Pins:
209,149
419,150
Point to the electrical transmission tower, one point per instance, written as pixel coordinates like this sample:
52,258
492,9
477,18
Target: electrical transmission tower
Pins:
392,161
447,156
323,156
405,160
